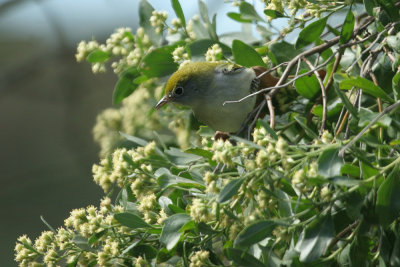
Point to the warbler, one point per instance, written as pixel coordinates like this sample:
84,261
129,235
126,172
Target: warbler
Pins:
206,86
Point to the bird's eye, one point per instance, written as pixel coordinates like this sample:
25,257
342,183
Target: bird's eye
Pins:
178,91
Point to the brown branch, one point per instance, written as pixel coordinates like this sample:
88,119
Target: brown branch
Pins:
271,111
343,233
317,49
323,94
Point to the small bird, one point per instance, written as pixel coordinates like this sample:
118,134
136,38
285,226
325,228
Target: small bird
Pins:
205,86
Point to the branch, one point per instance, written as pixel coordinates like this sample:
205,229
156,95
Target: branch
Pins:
284,85
358,136
323,94
317,49
271,111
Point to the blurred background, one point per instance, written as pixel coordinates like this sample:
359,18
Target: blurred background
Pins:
48,106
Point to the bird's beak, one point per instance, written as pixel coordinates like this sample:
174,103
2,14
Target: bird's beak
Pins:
162,102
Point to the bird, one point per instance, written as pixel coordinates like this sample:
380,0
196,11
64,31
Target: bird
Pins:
206,86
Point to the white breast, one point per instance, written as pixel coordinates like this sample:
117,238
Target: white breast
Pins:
228,117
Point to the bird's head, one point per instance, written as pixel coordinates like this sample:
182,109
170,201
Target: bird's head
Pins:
188,84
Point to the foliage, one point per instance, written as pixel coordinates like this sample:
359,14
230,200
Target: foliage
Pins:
316,186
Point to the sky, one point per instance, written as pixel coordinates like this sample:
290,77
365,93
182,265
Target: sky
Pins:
84,19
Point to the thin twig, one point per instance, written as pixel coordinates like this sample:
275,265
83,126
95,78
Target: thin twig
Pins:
358,136
343,233
271,111
249,117
271,69
323,94
274,88
334,68
366,50
292,63
255,118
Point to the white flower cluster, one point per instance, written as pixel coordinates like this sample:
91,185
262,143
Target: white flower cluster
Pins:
214,53
179,54
84,49
299,178
176,25
199,258
121,44
158,19
147,206
199,211
130,118
224,152
120,172
190,27
210,179
275,150
23,254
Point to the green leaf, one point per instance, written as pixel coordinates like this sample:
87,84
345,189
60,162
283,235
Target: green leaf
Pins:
164,255
125,85
315,239
243,259
170,234
245,55
395,258
346,101
74,262
166,179
283,51
178,11
369,6
351,170
98,56
230,190
329,163
159,62
248,12
333,109
388,201
366,116
334,31
396,85
344,181
146,251
307,86
366,86
134,139
238,17
198,48
200,152
391,10
311,33
368,171
255,233
95,237
211,27
145,12
393,42
274,13
81,242
140,79
359,251
308,131
131,220
347,28
200,29
265,125
181,158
